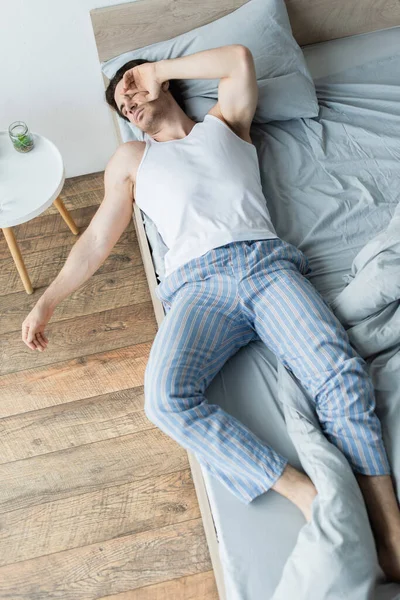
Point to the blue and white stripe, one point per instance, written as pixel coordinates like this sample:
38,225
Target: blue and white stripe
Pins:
221,301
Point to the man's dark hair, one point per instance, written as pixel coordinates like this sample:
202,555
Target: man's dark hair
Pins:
174,87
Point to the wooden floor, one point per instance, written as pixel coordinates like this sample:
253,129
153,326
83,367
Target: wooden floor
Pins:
95,501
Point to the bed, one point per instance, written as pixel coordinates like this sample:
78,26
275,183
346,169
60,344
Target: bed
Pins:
332,185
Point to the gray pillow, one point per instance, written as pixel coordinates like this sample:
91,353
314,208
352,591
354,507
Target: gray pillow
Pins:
286,88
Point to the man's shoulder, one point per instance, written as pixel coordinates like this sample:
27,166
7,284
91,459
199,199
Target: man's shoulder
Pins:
130,149
128,156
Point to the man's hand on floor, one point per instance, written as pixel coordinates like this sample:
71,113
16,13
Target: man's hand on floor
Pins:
33,326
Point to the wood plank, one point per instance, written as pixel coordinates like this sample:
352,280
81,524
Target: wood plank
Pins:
193,587
88,334
83,421
49,225
132,25
103,514
89,467
101,292
77,449
124,27
48,231
80,463
73,202
74,379
112,566
43,267
316,21
40,243
75,186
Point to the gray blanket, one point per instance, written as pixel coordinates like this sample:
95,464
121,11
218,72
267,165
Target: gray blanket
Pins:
335,556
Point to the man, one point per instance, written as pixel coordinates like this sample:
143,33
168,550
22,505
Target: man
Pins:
230,279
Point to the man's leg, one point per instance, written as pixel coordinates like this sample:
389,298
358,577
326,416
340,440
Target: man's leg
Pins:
293,320
298,488
383,513
203,328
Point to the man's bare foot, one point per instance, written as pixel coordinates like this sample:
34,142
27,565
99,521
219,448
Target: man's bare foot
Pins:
298,488
389,559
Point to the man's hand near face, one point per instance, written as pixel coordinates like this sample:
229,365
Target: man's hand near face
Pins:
143,82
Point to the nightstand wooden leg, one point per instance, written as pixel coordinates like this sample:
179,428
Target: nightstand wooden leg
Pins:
17,256
66,216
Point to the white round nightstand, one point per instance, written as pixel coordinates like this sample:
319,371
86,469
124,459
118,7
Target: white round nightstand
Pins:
29,183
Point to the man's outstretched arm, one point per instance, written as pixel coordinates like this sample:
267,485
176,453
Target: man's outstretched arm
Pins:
91,249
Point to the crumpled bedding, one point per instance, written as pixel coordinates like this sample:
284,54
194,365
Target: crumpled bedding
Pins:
335,556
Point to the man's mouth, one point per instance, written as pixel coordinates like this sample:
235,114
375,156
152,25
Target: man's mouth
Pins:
136,113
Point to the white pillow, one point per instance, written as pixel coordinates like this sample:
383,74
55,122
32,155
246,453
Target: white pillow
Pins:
286,88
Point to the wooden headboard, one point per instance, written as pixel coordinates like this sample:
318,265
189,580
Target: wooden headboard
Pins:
136,24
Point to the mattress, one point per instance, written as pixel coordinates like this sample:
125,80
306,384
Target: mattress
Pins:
331,184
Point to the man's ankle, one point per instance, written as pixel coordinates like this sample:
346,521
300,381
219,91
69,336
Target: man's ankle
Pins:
298,488
382,507
292,483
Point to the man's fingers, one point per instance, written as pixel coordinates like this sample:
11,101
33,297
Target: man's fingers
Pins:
30,345
36,343
128,91
33,340
33,329
41,339
39,344
127,80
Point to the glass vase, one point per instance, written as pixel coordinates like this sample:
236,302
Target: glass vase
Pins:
20,136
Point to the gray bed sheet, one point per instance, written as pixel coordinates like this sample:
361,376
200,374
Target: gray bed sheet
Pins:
332,185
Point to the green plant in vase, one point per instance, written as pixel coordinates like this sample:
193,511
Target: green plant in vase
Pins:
23,142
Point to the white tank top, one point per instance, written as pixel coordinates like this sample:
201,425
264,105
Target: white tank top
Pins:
202,191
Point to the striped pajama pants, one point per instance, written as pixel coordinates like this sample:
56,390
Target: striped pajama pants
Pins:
219,302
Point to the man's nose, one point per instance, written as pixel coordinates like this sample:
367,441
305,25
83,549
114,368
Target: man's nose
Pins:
132,107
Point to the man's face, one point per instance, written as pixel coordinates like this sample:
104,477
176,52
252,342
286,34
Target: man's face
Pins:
143,114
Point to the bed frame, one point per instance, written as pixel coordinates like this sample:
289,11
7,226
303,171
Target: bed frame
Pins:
132,25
